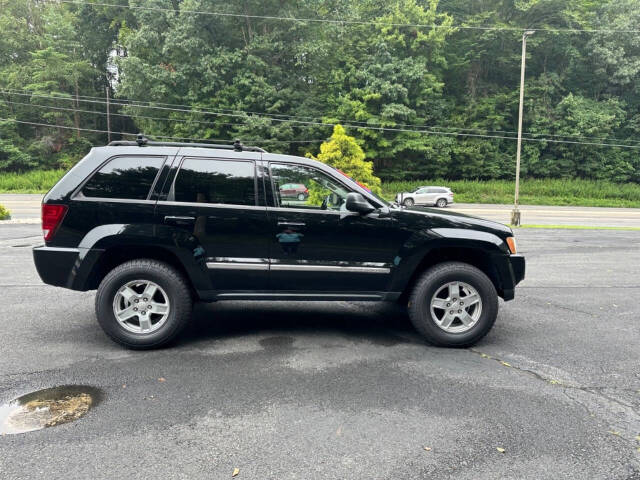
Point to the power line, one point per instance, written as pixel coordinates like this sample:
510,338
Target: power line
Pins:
348,22
37,124
384,129
243,114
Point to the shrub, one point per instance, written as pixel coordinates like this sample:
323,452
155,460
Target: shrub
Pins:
4,213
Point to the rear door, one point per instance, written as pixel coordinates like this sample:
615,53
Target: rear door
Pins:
214,206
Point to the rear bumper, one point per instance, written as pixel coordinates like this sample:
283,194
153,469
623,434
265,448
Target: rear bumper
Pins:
64,267
54,264
511,271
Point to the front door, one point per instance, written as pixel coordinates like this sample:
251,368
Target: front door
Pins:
316,245
213,208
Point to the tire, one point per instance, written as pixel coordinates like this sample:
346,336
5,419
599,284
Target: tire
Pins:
171,284
409,202
441,203
301,197
433,285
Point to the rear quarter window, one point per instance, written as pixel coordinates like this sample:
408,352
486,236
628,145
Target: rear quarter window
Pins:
127,177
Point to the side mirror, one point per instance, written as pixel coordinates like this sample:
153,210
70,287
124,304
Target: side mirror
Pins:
357,203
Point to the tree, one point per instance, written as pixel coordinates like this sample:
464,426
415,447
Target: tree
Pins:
343,153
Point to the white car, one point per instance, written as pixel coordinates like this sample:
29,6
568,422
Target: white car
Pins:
438,196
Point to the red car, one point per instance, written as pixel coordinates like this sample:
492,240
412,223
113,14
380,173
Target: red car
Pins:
294,190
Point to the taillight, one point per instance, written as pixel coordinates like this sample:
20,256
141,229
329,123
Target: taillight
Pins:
52,215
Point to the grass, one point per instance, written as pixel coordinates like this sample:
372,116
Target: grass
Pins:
585,193
34,181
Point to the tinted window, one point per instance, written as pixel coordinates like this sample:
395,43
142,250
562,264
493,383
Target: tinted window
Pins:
124,177
204,180
296,186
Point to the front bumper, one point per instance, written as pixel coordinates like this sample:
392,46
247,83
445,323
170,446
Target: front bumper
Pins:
518,266
510,270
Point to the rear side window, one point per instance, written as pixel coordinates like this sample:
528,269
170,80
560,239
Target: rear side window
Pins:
124,177
205,180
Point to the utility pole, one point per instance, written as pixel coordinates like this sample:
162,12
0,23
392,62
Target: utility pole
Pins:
515,214
108,114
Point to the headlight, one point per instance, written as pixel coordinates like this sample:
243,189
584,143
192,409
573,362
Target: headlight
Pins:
511,242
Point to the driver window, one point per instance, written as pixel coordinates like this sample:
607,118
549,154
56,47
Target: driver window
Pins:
297,186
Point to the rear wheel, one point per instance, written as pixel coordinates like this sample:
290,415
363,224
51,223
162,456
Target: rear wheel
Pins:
143,304
408,202
442,202
301,197
453,304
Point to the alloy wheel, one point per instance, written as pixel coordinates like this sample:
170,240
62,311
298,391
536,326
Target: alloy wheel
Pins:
456,307
141,306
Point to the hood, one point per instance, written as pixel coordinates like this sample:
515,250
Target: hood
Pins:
436,218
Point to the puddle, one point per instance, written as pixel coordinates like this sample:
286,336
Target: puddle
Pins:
47,408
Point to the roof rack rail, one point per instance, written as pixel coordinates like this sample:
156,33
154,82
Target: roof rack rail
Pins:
142,141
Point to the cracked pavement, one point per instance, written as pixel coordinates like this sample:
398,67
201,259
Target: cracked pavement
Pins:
342,390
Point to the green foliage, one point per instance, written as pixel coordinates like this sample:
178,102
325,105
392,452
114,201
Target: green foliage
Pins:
13,159
4,213
422,93
34,181
343,153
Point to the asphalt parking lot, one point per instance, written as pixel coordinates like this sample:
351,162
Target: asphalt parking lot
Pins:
341,390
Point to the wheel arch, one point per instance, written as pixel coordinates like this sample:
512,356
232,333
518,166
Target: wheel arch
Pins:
472,255
108,246
117,255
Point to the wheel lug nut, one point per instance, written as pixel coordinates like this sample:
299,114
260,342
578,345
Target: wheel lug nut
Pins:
459,311
144,299
135,301
451,312
135,309
448,304
461,303
144,312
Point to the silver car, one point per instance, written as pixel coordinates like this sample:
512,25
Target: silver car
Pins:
438,196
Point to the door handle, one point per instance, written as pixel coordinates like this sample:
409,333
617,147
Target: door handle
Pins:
178,219
291,224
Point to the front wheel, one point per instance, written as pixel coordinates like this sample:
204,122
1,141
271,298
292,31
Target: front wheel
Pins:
408,202
441,203
143,304
301,197
453,304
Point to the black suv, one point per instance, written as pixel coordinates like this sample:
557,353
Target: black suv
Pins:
155,226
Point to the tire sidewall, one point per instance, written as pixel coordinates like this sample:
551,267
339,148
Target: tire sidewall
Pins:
107,320
421,307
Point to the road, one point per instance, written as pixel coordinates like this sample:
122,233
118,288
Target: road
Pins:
341,390
26,208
